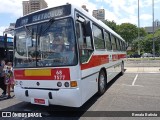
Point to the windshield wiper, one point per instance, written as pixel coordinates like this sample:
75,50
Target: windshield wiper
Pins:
45,29
27,30
48,25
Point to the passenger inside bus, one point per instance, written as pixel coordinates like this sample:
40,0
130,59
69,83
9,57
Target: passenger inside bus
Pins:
58,44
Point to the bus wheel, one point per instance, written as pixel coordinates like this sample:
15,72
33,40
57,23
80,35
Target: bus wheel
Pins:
102,81
122,68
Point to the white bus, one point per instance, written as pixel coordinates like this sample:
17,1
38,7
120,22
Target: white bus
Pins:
90,55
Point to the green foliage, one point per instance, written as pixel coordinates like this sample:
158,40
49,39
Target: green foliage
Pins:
128,31
157,34
142,32
111,24
146,43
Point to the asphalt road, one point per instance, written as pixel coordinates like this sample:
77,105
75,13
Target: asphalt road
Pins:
130,92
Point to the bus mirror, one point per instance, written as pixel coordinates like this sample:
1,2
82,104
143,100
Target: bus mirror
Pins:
80,18
88,30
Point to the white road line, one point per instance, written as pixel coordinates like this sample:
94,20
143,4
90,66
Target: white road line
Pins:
134,80
143,72
133,85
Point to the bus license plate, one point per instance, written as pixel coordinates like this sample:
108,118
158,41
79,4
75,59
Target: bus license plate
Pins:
39,101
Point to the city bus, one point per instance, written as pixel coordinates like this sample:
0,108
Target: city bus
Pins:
92,55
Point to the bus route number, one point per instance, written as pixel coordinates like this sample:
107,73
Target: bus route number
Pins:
59,75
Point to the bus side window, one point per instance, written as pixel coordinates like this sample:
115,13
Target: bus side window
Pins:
113,41
108,40
85,46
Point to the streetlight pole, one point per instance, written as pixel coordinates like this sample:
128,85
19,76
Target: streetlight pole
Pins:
153,28
138,29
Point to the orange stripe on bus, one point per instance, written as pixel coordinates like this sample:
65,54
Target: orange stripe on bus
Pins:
38,72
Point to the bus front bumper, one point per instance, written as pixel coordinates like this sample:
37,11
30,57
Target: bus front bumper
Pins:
65,97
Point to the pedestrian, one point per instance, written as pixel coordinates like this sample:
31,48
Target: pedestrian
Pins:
2,79
9,81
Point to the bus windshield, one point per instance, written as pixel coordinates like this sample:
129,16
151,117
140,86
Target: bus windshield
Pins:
45,44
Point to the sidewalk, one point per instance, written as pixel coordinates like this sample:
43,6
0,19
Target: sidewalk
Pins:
143,69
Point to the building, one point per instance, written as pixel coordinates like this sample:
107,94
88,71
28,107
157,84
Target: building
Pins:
25,7
149,29
10,29
156,23
33,5
85,8
99,14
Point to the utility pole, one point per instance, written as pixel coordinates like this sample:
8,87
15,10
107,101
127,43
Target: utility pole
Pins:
153,28
138,30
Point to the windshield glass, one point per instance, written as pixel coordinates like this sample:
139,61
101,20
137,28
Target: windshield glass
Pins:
46,44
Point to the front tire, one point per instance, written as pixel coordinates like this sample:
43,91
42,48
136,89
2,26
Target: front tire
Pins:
102,81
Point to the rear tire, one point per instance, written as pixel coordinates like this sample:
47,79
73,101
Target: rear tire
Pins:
122,68
102,81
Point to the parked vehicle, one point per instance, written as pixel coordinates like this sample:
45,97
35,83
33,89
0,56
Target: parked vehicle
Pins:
135,55
147,55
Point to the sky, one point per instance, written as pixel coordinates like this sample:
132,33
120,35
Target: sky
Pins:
120,11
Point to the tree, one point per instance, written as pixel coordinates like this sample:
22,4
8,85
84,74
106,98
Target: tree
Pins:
146,44
157,35
142,32
128,32
111,24
137,43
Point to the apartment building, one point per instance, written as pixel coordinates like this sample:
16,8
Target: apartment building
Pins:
33,5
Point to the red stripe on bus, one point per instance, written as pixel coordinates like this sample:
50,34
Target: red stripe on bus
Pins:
116,57
121,56
95,60
56,74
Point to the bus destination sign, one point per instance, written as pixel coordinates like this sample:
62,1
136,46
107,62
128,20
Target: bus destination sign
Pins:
47,15
44,15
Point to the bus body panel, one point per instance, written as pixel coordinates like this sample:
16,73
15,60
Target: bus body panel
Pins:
90,75
65,97
89,86
51,81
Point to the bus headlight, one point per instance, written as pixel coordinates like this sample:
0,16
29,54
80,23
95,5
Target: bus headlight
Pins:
59,84
66,84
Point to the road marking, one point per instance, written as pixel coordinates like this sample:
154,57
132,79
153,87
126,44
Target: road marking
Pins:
133,85
129,85
134,80
142,72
